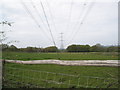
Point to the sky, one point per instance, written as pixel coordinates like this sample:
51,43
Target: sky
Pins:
81,22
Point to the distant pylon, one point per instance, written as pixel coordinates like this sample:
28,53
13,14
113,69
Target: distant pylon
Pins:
61,47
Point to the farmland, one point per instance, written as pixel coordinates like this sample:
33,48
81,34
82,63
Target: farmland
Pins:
58,76
61,56
48,76
59,44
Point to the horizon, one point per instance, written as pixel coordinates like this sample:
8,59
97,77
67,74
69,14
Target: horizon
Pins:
63,48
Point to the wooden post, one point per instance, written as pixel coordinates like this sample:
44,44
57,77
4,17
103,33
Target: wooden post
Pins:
3,72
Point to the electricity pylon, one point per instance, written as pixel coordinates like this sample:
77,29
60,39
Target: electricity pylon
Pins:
61,47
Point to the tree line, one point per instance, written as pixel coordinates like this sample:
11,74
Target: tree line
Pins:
94,48
70,48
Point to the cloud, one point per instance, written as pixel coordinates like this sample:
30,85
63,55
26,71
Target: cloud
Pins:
99,26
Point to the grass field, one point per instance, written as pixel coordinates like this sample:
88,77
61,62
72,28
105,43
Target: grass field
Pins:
62,56
58,76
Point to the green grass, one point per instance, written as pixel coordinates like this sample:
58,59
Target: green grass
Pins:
61,56
36,75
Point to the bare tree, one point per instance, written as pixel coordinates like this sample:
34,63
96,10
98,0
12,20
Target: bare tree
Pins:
3,33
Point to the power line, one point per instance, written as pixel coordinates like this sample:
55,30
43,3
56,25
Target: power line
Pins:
69,16
51,16
49,28
28,11
79,18
82,21
33,5
48,23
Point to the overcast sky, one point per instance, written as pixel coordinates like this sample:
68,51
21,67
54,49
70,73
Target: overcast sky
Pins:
80,21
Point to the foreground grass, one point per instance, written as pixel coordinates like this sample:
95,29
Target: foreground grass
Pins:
61,56
57,76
